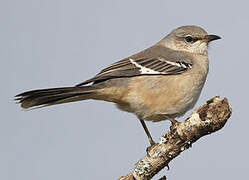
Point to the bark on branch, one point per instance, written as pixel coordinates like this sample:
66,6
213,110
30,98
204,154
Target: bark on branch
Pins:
209,118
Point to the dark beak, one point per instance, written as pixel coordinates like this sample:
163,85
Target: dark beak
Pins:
211,37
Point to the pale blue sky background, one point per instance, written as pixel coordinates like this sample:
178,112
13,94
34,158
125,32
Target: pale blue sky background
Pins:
52,43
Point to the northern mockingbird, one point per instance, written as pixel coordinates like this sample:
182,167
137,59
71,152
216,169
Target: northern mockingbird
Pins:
160,83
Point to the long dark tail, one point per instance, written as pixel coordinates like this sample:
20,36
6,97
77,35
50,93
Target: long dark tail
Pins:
47,97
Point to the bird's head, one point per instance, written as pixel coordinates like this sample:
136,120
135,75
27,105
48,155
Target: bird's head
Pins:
191,39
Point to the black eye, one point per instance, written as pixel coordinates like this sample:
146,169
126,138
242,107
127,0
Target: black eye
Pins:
188,39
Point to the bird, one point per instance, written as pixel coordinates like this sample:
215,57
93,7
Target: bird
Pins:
159,83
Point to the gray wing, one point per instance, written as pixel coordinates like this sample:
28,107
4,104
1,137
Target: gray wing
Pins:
153,61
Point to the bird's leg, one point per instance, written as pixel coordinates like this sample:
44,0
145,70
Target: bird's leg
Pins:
174,124
147,133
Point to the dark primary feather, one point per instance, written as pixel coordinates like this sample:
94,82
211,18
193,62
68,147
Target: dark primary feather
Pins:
158,59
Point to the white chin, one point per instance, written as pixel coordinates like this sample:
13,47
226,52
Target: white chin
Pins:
200,48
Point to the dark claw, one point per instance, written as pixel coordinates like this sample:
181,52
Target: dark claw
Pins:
174,124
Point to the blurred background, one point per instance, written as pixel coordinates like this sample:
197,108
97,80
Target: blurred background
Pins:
53,43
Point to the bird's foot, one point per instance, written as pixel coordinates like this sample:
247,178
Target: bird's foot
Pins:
174,124
148,149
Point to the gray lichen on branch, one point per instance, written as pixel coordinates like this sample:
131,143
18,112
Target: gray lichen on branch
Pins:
209,118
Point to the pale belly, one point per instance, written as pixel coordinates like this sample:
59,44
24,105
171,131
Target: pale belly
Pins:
157,98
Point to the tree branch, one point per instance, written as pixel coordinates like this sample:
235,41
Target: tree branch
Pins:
209,118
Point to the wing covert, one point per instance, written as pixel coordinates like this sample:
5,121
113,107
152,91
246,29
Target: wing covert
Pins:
145,64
